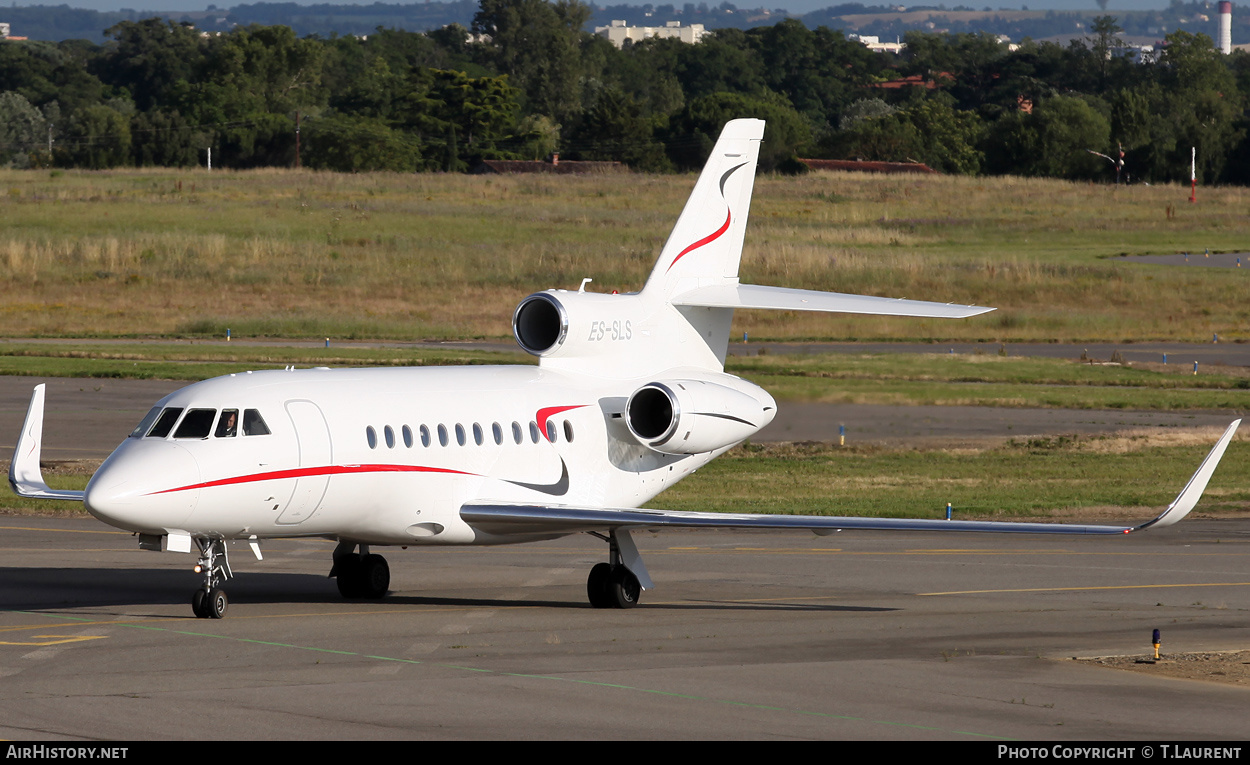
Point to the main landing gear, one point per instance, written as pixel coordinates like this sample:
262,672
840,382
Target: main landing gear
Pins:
360,575
210,601
615,584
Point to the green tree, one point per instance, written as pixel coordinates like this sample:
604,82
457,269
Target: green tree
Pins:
1050,142
149,58
538,44
693,132
353,144
96,138
23,130
164,139
614,127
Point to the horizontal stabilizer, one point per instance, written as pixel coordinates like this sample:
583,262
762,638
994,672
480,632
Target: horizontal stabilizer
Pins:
502,518
25,476
785,299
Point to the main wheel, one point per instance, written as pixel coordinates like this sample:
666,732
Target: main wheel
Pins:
197,603
347,572
216,603
597,585
625,588
374,577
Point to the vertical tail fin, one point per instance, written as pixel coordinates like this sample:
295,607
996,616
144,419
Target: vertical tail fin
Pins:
706,244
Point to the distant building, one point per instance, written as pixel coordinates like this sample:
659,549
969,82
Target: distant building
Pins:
4,32
873,43
618,32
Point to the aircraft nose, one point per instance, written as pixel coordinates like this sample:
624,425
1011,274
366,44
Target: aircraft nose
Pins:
139,487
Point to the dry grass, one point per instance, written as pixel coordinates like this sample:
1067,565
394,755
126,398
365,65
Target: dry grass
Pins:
277,252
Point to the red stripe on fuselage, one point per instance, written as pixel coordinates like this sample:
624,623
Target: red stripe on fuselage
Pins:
541,416
314,471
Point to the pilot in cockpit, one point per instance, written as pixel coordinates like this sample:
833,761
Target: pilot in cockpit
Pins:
227,425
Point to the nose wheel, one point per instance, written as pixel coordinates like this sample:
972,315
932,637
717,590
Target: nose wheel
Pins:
210,601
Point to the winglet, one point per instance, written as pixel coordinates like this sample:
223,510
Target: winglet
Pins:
1189,496
25,476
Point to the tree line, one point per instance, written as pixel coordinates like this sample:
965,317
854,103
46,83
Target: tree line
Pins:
525,80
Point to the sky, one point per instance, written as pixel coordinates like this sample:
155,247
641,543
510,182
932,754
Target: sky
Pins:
794,6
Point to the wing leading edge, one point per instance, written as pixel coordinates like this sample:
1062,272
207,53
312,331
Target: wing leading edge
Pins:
502,518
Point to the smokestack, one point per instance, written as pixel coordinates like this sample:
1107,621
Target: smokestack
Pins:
1226,27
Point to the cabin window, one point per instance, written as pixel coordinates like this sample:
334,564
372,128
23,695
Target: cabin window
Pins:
389,433
516,432
442,434
407,436
425,436
533,431
228,424
147,422
196,424
460,434
165,423
568,431
254,424
551,431
371,436
477,434
497,432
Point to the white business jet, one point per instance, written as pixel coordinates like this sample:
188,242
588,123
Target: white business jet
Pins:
629,397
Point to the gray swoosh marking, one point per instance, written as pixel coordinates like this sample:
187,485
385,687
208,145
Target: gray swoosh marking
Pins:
557,489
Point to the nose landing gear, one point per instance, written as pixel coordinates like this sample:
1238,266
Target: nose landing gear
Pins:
210,601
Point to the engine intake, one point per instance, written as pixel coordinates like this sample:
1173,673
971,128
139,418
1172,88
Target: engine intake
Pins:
695,416
540,324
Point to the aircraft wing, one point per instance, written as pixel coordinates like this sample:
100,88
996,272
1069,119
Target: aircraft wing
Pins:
785,299
504,518
25,476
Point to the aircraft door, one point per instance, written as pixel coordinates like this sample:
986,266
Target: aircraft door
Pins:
313,436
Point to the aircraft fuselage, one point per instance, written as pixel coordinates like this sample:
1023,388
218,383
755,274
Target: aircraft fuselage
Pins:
384,456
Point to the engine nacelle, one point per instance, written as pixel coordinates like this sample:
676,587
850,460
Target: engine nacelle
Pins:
696,416
557,323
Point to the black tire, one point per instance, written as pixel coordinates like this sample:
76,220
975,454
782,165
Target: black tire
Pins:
198,605
374,577
598,585
216,603
347,570
625,589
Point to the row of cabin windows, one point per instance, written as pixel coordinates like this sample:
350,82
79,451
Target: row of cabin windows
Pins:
462,437
198,423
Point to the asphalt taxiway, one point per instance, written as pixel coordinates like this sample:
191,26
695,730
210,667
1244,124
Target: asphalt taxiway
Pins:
747,636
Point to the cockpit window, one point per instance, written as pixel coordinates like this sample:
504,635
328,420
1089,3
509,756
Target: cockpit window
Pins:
196,424
228,425
165,422
254,424
147,423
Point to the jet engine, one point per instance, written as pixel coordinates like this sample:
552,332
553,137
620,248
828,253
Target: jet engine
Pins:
696,416
540,324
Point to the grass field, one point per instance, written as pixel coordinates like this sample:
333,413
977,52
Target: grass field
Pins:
303,254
